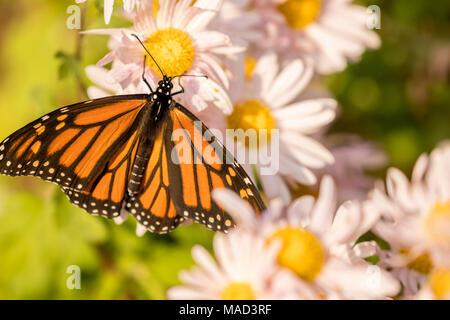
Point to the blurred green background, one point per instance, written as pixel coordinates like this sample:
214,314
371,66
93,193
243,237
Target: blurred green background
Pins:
398,95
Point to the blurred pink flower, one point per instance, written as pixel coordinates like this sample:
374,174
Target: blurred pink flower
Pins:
352,157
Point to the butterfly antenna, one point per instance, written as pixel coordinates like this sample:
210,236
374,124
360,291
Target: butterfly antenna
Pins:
143,46
191,75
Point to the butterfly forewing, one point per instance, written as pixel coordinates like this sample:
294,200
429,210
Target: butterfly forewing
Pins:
86,148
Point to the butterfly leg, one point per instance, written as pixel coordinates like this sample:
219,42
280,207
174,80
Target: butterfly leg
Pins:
143,76
178,92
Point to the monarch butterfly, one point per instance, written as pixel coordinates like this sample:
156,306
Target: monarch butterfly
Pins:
117,153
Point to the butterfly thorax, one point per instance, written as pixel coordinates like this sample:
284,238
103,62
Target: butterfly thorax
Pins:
161,98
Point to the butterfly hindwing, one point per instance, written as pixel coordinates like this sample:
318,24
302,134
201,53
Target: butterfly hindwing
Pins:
85,148
204,164
153,206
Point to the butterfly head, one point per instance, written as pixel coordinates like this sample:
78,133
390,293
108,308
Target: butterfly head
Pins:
165,86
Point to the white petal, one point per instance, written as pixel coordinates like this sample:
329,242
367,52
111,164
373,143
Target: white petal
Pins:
289,83
323,212
346,223
95,93
240,211
365,249
264,73
140,229
305,150
123,216
108,7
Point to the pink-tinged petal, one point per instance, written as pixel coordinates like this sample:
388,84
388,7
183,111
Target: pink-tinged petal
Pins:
196,277
369,218
239,210
200,21
353,32
209,39
140,229
128,5
229,50
305,150
310,124
420,168
398,187
345,227
108,58
216,71
300,210
289,83
304,108
265,72
365,249
274,186
224,252
362,281
206,262
296,171
208,4
122,217
95,93
101,76
323,212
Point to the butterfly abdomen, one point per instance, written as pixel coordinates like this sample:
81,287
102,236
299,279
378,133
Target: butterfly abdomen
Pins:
150,128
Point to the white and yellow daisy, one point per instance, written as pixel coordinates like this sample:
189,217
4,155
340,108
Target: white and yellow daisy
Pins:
318,243
175,34
268,101
415,220
246,269
328,31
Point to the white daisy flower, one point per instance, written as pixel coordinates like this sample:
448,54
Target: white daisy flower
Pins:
415,219
245,270
175,34
328,31
108,7
265,103
318,243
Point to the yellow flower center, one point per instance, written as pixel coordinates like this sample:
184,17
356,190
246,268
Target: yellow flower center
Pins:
252,115
440,283
301,252
300,13
172,49
437,223
250,64
421,264
238,291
